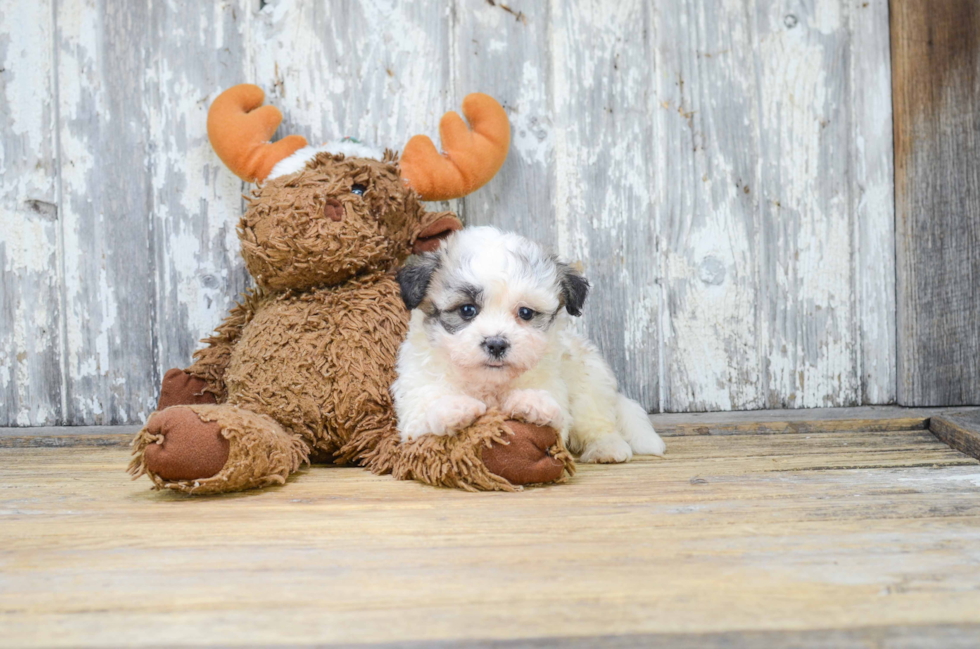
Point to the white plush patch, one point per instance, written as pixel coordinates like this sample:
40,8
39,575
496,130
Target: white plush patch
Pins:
298,160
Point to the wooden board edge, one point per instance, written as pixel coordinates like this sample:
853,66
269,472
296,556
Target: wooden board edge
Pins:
64,441
765,422
66,436
798,427
748,422
815,420
959,432
945,635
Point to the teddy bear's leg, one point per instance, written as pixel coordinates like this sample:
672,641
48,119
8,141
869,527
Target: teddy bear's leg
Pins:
532,455
181,388
492,454
204,449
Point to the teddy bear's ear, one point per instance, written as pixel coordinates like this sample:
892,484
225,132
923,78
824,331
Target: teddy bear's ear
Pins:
436,227
239,128
472,157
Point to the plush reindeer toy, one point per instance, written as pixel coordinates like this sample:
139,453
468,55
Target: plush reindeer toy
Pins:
301,367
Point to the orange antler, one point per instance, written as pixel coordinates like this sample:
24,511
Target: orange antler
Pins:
472,157
239,131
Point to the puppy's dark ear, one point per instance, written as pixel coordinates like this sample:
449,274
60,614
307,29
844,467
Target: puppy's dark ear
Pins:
574,288
414,277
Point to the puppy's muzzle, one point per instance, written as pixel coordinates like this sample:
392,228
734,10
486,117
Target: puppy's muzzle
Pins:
495,346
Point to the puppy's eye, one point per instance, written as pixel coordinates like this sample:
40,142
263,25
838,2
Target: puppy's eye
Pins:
358,189
525,313
468,311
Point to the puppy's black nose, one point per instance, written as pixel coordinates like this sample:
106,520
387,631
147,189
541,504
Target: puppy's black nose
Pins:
496,346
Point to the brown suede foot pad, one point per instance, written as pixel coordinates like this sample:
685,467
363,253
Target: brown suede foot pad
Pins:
526,459
179,388
191,450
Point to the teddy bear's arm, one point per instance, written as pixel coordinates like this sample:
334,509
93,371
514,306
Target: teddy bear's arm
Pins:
211,361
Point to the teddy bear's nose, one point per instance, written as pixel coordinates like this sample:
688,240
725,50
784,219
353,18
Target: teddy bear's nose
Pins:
333,210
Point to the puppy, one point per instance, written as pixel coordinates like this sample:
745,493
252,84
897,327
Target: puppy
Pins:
488,330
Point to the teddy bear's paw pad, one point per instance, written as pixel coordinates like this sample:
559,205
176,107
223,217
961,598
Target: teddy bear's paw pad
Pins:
534,407
191,449
611,449
525,460
179,388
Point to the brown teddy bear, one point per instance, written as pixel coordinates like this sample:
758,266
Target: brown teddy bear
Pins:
300,368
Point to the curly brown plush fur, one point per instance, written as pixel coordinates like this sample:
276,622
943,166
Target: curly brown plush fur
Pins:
302,365
459,460
260,452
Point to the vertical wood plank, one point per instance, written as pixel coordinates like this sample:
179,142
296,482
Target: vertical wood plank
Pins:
503,50
601,56
872,191
936,97
708,169
807,249
109,271
30,313
195,50
776,236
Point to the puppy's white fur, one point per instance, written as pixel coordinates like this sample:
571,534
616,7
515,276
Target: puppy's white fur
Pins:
548,375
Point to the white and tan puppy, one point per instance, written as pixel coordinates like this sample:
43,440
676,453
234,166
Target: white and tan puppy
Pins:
488,330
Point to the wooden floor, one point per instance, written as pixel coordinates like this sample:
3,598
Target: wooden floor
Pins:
822,537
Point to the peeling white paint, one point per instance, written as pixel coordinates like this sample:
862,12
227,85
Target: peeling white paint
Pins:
723,176
531,129
30,341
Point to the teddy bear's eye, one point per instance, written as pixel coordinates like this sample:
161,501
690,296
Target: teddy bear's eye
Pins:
358,189
525,313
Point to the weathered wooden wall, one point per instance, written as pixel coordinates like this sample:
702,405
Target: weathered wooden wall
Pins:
936,53
722,168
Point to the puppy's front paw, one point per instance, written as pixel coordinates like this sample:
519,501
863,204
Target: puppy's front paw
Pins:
448,414
611,449
534,407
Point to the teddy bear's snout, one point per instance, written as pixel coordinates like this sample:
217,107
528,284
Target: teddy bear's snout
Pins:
333,210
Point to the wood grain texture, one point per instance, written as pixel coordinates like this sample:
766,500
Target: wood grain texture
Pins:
704,112
720,168
831,536
777,237
769,422
960,431
66,436
375,71
31,370
806,243
604,205
936,96
108,239
871,199
506,53
949,636
808,420
195,50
